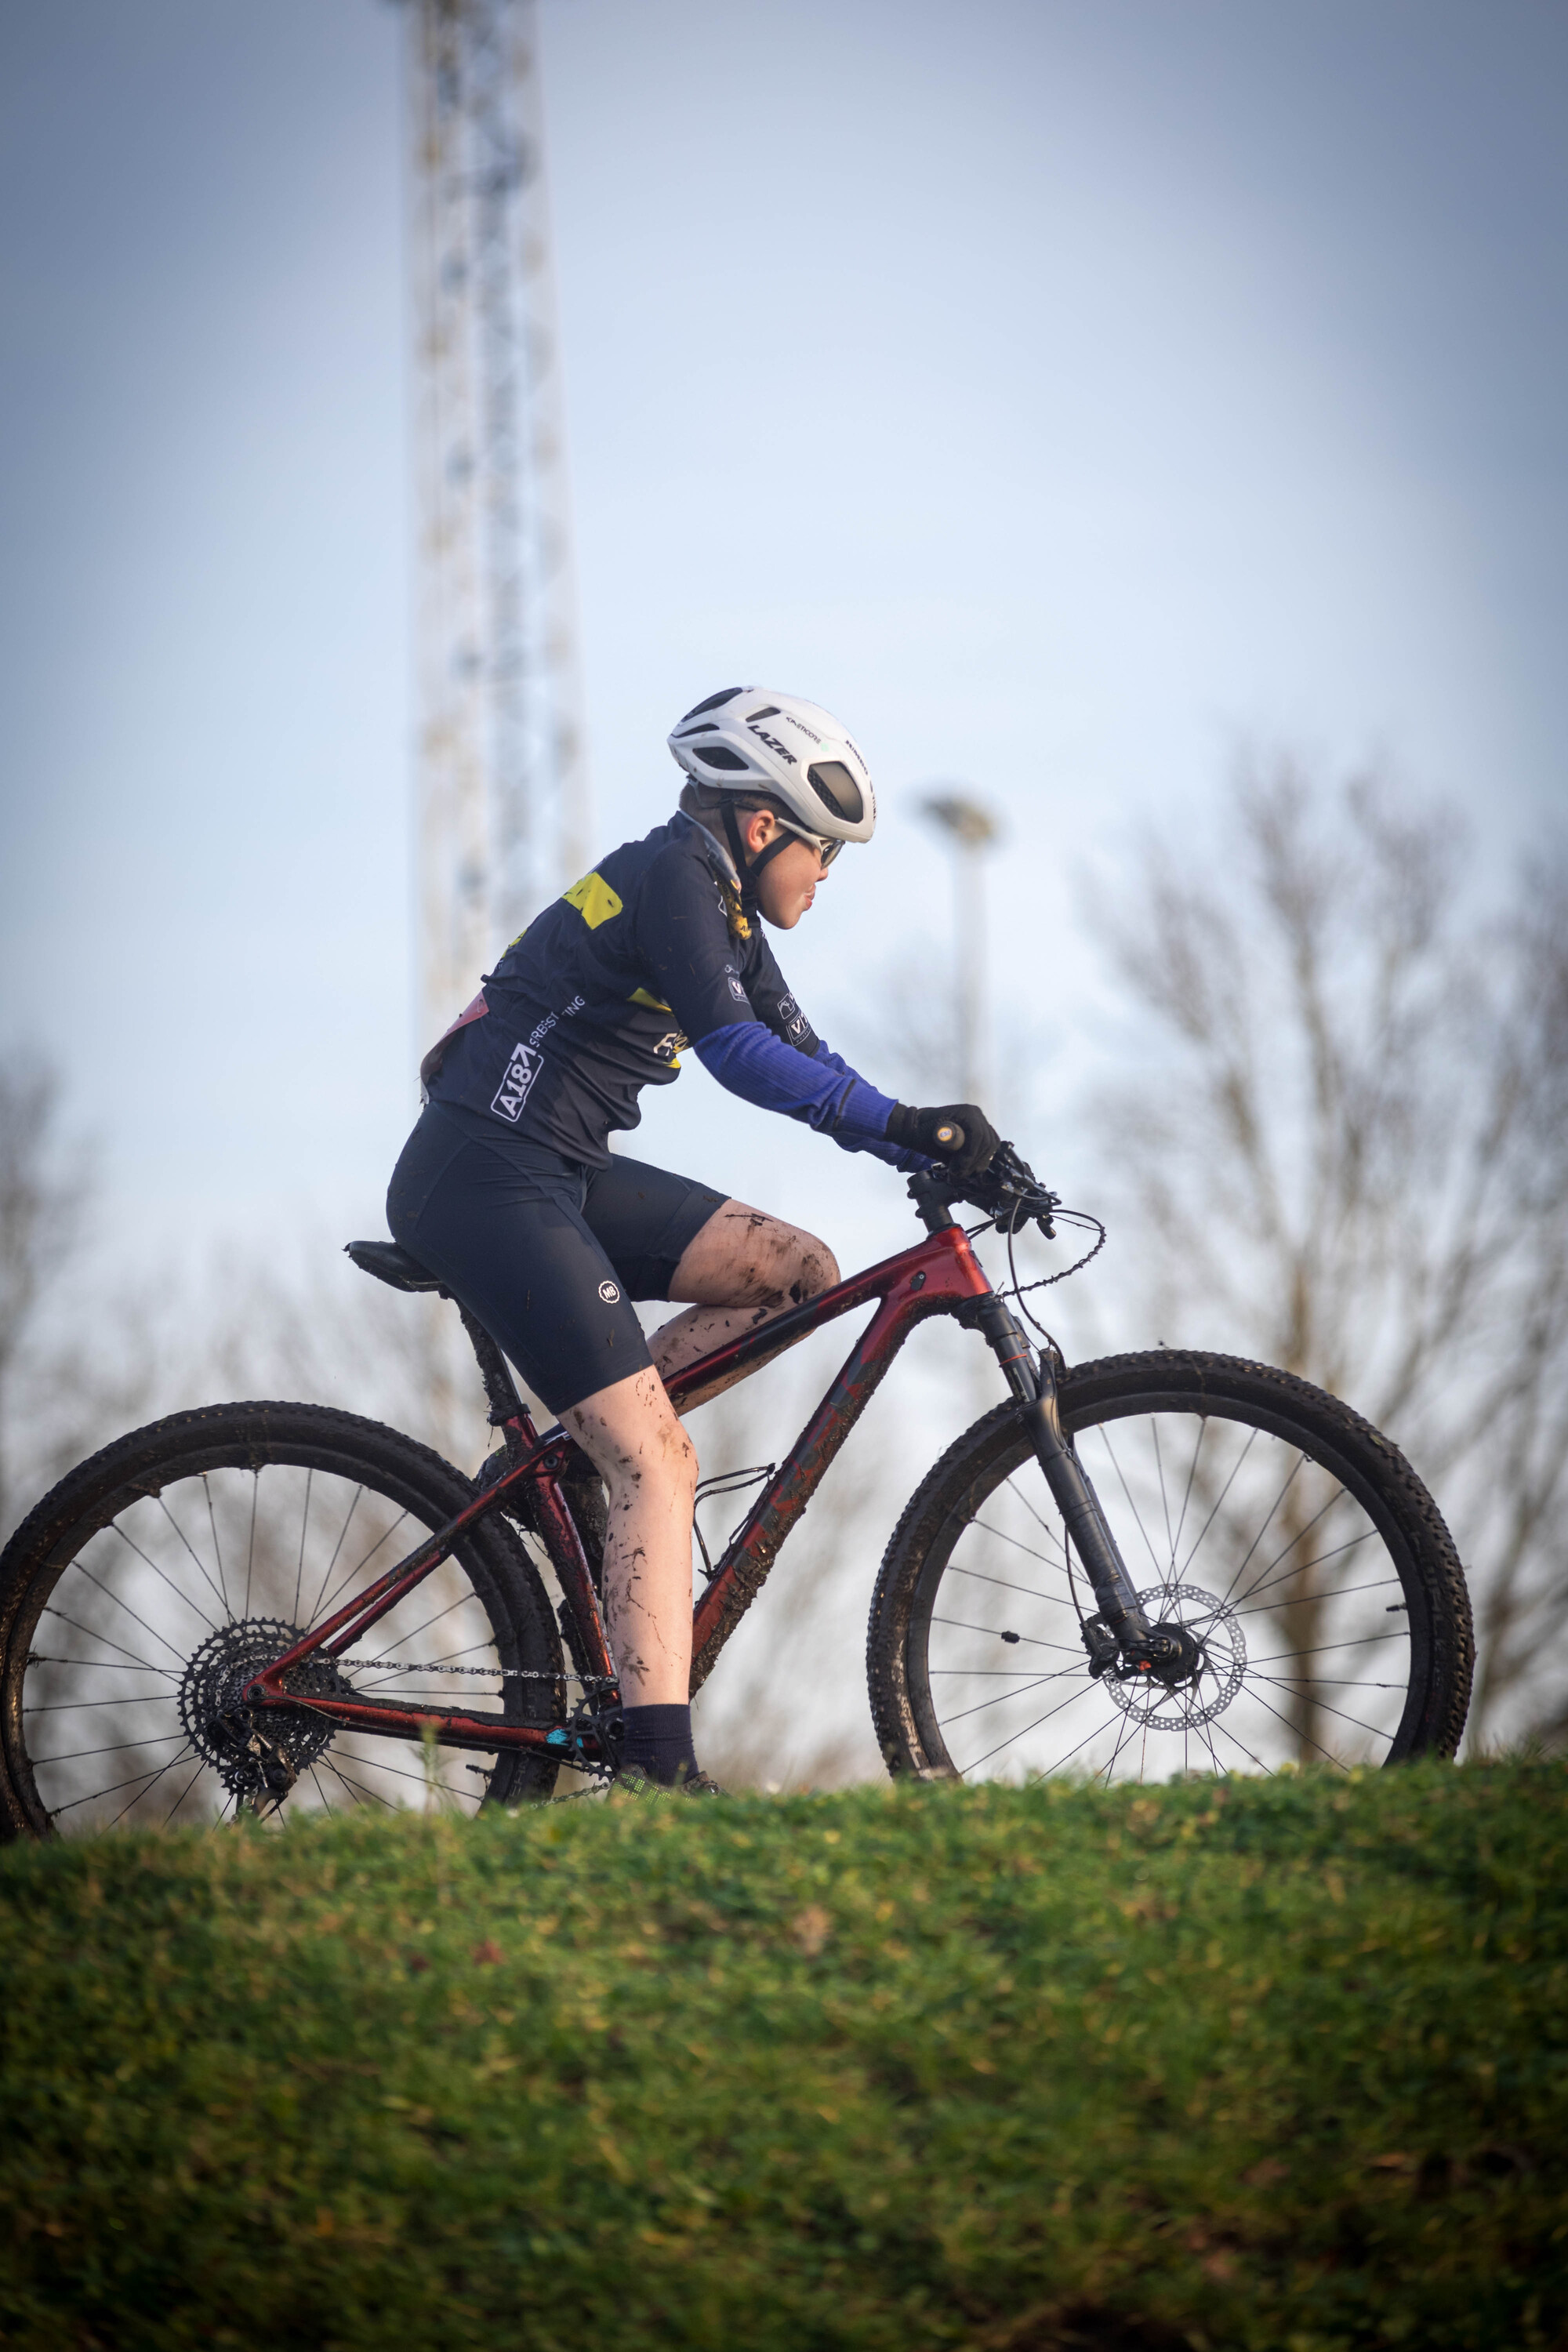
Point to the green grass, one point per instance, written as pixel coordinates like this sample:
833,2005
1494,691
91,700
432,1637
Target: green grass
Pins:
1260,2063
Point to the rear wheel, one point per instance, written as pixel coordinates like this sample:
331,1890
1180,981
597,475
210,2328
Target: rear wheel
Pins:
1321,1605
141,1595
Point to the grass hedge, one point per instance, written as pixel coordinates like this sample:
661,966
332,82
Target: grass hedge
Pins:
1253,2064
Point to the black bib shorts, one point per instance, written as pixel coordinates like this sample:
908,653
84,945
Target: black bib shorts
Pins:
546,1253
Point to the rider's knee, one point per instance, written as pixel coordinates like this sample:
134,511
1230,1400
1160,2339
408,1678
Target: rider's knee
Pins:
815,1269
680,1454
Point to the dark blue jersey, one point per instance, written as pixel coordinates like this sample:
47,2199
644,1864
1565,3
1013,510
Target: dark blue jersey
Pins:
605,989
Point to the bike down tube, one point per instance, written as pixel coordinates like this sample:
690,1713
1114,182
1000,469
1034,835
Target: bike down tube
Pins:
932,1279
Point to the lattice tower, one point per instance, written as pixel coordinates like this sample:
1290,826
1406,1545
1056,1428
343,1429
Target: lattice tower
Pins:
502,771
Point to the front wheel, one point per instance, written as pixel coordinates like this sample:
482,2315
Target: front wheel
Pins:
141,1595
1324,1605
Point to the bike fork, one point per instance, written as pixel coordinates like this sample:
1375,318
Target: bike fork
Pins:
1119,1629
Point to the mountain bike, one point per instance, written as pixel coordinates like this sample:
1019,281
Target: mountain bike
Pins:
1154,1563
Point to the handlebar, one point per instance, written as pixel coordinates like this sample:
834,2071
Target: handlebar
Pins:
1008,1190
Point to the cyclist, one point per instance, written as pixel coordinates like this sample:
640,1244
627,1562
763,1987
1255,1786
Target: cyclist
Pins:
507,1188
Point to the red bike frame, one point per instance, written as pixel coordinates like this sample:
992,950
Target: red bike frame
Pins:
940,1275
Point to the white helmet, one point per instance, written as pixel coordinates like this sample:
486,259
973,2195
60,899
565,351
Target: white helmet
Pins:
748,740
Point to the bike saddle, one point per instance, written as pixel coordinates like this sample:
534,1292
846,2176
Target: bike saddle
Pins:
388,1263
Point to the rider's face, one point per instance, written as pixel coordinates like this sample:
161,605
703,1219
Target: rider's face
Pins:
787,883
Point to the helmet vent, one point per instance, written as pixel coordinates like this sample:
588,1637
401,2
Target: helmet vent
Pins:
713,702
719,755
768,710
833,784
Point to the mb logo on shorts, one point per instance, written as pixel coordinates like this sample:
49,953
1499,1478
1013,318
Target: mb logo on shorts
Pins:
512,1092
608,1293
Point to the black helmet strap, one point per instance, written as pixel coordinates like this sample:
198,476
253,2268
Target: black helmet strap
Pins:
749,870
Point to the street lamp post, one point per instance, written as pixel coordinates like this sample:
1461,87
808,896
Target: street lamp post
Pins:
971,828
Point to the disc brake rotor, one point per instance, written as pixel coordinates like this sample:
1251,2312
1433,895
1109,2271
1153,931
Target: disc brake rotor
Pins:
1219,1651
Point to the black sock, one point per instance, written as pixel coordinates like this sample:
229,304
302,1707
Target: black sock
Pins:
658,1741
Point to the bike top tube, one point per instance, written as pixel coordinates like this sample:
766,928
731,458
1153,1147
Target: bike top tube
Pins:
944,1266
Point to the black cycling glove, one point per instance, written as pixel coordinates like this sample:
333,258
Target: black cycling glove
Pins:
970,1144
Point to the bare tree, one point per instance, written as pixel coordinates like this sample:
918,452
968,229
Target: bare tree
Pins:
65,1382
1340,1141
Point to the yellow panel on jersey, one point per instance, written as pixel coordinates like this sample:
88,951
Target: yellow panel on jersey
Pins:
593,899
654,1004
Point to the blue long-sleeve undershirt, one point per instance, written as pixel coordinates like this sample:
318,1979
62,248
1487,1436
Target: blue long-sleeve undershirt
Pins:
820,1088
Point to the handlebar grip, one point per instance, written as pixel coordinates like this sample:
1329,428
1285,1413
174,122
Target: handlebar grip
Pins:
950,1135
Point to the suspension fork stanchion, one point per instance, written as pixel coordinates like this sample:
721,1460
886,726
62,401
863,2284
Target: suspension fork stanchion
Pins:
1034,1383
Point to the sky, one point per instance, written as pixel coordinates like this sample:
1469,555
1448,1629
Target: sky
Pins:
1061,393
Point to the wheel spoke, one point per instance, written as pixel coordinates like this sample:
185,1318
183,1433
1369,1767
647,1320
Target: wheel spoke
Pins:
1062,1673
357,1788
299,1565
70,1705
1285,1526
1339,1713
184,1792
991,1632
1321,1649
141,1664
1187,1490
1261,1582
1294,1472
1341,1592
217,1549
1236,1468
154,1772
361,1564
82,1569
1027,1549
337,1548
1296,1733
197,1562
1071,1701
115,1748
250,1547
1104,1436
131,1802
1045,1526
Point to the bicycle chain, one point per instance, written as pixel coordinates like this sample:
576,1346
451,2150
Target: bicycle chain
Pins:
505,1674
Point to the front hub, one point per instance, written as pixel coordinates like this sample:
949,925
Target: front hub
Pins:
1192,1667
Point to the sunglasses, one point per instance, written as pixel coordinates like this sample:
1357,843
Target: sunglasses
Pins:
826,850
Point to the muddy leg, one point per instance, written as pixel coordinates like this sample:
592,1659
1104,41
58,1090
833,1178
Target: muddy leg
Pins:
632,1436
743,1267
